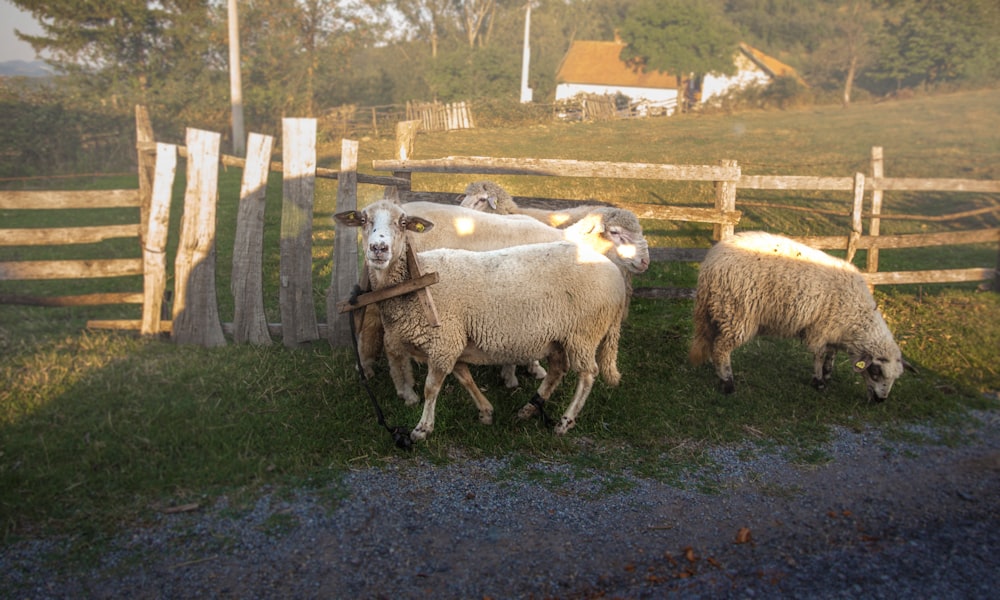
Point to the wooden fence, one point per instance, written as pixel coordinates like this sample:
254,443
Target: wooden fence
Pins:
435,116
194,318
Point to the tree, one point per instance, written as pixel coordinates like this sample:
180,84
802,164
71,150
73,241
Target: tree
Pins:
169,55
849,47
683,37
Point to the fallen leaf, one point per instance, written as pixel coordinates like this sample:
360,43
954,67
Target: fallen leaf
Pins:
690,555
743,536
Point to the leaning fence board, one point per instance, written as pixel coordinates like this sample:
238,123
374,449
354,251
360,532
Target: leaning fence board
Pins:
247,281
298,310
195,310
70,269
59,199
345,250
62,236
154,248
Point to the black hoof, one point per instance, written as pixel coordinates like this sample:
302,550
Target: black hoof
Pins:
728,386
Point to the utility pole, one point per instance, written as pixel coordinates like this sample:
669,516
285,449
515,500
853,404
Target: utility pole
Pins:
526,91
235,83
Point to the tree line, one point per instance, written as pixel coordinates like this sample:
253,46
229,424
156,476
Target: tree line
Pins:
302,57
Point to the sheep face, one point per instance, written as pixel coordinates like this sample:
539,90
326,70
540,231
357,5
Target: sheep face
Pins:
383,231
610,228
486,196
879,374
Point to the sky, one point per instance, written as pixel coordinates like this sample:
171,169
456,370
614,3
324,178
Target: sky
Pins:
12,48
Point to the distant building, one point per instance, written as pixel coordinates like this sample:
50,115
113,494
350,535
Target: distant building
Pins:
596,68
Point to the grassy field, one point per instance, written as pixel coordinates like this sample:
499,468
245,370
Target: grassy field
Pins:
99,427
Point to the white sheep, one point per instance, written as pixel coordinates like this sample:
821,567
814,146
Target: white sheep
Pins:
462,228
759,283
488,196
492,311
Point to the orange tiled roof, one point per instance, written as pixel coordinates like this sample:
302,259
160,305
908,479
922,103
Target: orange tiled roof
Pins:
600,63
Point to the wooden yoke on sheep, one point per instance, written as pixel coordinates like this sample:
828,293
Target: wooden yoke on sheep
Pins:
417,283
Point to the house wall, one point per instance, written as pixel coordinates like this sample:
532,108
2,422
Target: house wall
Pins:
565,91
748,73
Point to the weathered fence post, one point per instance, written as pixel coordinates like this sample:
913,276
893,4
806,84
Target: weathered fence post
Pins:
247,283
874,225
196,308
856,227
345,249
725,201
154,240
406,135
298,309
145,144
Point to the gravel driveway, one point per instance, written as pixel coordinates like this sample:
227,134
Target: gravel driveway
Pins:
881,520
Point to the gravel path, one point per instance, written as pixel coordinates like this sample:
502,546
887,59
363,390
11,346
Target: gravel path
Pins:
880,520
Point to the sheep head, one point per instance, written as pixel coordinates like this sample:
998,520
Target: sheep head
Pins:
487,196
616,233
384,226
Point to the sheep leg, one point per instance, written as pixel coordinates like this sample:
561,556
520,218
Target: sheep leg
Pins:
585,382
558,366
462,374
370,335
823,367
432,387
401,372
722,350
509,376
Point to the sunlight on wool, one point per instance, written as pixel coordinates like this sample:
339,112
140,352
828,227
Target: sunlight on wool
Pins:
465,226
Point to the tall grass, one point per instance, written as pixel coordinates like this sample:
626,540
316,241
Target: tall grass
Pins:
99,427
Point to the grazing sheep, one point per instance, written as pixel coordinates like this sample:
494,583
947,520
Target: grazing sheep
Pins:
464,228
758,283
492,311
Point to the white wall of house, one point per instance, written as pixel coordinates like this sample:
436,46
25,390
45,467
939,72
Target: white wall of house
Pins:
565,91
748,74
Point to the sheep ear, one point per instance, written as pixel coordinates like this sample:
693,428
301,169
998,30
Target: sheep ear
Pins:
351,218
418,225
492,200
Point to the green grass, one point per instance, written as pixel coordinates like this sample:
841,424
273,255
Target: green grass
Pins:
100,427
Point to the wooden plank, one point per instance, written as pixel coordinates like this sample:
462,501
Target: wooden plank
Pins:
874,225
725,203
560,168
62,236
923,240
69,269
345,247
77,300
795,182
940,276
62,199
908,184
298,310
147,164
683,213
855,234
195,310
154,249
247,283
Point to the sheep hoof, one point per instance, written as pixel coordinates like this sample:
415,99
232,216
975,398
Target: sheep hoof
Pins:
565,424
728,386
819,384
419,433
486,417
527,411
